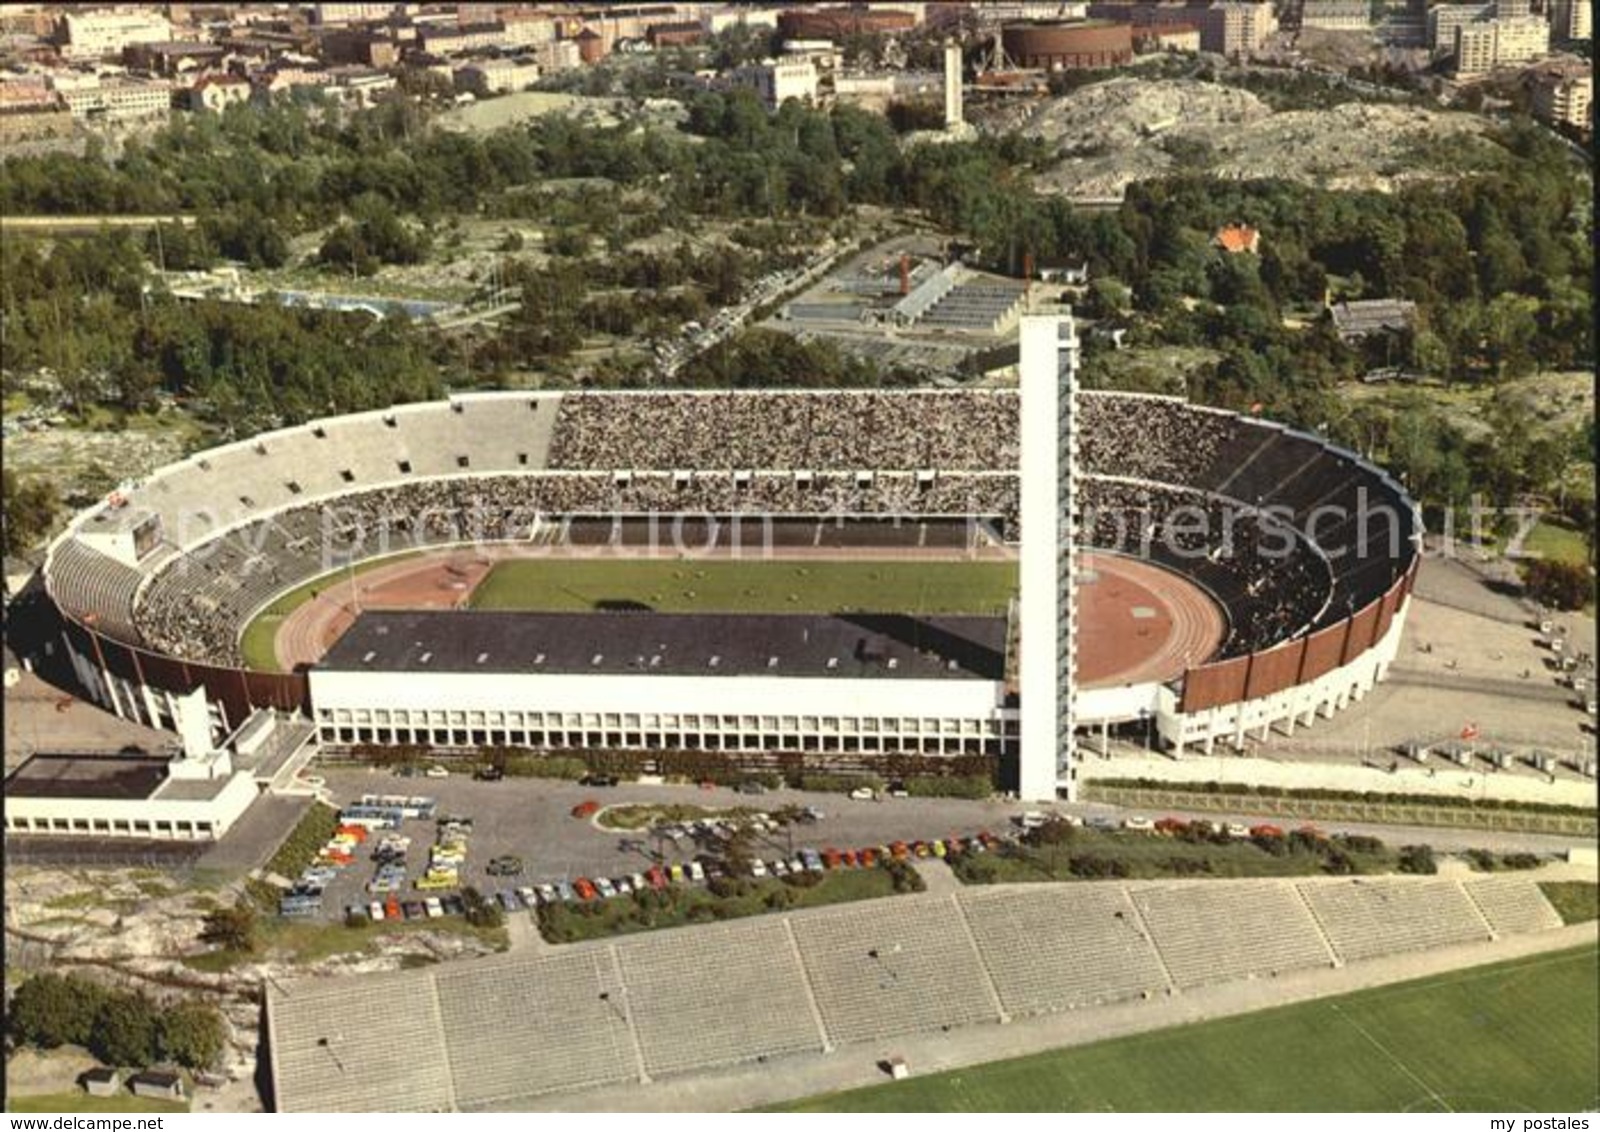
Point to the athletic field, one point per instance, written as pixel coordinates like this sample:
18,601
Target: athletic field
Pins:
714,586
1512,1037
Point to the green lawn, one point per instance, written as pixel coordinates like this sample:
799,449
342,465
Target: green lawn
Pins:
681,904
1578,901
557,585
83,1102
1512,1037
1554,539
1148,856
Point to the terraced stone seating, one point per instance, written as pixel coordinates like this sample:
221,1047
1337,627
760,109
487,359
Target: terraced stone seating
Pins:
1061,948
725,994
524,1028
1223,931
1366,918
381,1050
896,968
1513,905
91,582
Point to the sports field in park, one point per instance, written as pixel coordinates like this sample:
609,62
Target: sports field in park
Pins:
715,586
1511,1037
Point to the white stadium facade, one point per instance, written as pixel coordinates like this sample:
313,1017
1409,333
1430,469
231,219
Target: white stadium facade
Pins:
156,585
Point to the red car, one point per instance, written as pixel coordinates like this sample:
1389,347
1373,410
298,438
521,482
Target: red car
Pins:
586,809
656,877
584,889
899,851
848,857
868,857
1171,826
830,858
1265,831
392,911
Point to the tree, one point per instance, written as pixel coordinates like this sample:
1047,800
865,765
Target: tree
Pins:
29,506
1558,584
51,1010
232,929
192,1034
125,1030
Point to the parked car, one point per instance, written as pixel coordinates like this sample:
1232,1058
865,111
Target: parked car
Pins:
435,908
566,892
899,851
758,867
507,866
508,901
604,888
585,889
598,780
868,857
751,788
695,872
676,873
548,894
639,883
437,771
898,790
1138,823
375,910
780,868
586,809
414,909
489,774
624,886
1236,829
529,898
862,794
1031,819
452,904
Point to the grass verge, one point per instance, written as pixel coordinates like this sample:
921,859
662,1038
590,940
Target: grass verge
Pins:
1577,901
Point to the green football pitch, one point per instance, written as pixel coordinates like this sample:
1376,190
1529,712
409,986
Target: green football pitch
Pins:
766,586
1518,1036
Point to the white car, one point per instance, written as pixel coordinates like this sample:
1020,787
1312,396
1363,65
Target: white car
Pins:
696,871
435,908
758,868
862,794
375,909
624,886
780,868
315,781
1237,829
1137,823
638,882
437,771
605,888
1033,819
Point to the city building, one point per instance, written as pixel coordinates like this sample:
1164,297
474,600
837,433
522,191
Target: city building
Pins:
1481,47
119,100
354,13
778,80
838,23
496,76
1337,15
1358,319
1444,19
171,59
1475,48
97,35
1236,239
445,41
215,93
1564,98
1167,37
1570,20
1066,46
1227,27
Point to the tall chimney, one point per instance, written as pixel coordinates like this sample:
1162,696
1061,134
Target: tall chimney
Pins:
905,273
952,84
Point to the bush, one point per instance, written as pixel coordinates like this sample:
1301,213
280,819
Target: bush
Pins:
125,1030
1482,860
838,783
1520,861
1417,859
904,878
51,1010
192,1034
1089,865
232,929
481,913
975,786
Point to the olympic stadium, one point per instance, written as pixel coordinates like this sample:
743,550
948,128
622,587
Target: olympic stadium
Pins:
1214,574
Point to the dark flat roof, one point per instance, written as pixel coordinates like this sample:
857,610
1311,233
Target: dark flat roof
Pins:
674,644
121,777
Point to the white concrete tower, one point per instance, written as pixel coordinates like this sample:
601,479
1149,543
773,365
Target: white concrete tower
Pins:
952,85
1048,372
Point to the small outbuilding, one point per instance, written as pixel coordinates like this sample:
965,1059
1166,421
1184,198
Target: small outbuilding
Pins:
101,1082
161,1084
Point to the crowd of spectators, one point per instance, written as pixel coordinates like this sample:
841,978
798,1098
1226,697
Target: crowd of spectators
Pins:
1265,575
967,430
1154,438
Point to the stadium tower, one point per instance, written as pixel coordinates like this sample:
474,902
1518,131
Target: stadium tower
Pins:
1048,372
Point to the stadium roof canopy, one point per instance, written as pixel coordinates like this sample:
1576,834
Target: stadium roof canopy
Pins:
857,646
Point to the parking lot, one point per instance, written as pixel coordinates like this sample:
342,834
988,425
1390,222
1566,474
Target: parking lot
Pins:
532,819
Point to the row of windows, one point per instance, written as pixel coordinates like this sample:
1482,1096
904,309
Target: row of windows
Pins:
648,721
128,827
334,736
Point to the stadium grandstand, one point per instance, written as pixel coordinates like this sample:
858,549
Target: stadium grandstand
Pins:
1306,551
